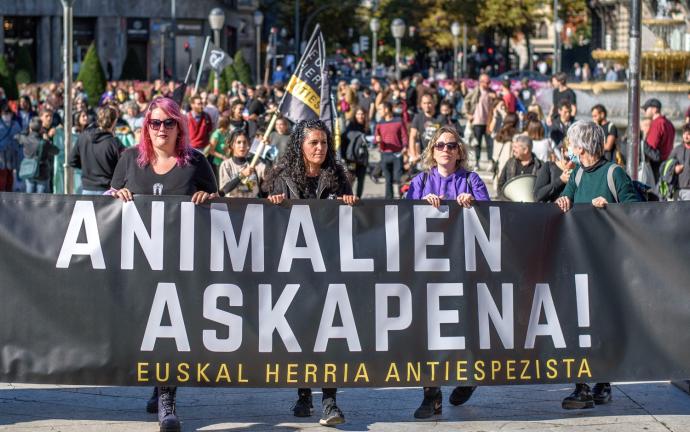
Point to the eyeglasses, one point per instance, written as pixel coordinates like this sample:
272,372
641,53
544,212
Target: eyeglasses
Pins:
448,146
156,124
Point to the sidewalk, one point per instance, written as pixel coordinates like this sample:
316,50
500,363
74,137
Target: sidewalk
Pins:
644,407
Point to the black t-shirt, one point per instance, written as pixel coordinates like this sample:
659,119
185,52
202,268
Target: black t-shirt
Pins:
180,180
310,188
426,126
610,129
560,96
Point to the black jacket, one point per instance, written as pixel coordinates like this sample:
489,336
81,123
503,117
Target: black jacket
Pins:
96,153
338,186
548,185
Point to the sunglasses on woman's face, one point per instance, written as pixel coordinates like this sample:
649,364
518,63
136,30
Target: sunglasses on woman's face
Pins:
448,146
168,124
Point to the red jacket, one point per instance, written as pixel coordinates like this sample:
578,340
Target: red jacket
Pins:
199,131
661,136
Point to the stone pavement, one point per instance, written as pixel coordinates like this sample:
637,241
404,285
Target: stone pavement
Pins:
644,407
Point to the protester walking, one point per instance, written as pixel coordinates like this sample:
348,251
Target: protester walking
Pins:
237,178
391,135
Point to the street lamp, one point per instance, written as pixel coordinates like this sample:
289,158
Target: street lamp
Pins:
258,20
217,20
398,30
455,30
375,26
67,7
558,27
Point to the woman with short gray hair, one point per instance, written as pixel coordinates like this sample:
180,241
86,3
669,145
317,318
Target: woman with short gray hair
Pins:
600,182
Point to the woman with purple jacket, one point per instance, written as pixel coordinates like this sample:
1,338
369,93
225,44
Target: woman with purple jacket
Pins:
446,177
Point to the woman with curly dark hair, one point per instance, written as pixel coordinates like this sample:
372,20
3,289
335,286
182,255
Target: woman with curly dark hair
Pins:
309,170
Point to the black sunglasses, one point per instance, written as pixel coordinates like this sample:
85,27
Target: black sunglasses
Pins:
448,146
168,124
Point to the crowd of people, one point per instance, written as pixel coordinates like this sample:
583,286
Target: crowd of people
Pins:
432,139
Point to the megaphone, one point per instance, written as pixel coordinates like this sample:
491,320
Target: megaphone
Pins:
520,188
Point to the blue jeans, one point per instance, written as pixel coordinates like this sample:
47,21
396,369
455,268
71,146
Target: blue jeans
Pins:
91,192
36,186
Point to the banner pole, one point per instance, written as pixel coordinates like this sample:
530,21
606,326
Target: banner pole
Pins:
201,65
189,72
272,123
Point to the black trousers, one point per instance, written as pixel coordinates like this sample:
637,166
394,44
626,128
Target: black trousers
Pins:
327,392
392,166
359,174
480,133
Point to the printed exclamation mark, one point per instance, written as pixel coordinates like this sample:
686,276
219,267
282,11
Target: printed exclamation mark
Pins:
582,294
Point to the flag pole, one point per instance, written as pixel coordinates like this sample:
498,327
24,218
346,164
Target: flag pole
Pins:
201,65
272,123
189,71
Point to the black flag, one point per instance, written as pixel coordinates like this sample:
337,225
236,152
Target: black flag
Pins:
308,91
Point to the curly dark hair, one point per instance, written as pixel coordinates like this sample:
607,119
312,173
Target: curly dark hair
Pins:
291,163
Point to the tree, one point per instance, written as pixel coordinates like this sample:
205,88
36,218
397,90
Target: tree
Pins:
92,75
132,69
229,75
242,69
222,83
7,81
24,66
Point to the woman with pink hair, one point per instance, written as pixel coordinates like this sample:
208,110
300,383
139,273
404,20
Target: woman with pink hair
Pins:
163,163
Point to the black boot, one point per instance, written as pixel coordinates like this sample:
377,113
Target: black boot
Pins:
431,404
602,393
581,398
461,394
332,415
303,407
152,403
167,417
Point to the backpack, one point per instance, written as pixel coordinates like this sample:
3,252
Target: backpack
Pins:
358,150
641,189
29,166
668,180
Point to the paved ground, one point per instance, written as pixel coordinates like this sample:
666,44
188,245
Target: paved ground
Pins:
644,407
647,407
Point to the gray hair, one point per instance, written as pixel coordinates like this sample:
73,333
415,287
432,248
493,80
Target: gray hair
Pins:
524,141
587,135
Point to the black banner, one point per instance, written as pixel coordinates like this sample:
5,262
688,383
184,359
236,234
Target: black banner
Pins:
244,293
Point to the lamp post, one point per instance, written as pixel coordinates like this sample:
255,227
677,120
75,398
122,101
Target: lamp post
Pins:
634,88
556,35
258,20
455,30
464,49
217,20
398,31
374,26
67,62
558,27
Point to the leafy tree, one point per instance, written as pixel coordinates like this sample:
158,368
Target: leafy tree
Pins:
242,69
7,81
92,75
24,66
132,69
229,75
222,83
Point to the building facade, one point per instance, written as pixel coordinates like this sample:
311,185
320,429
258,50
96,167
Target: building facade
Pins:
145,35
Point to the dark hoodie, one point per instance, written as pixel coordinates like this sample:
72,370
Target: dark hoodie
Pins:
96,153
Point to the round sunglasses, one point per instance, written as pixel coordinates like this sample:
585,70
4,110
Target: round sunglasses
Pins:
156,124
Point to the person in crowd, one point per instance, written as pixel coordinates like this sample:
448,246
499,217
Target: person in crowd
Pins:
217,144
390,135
309,170
562,93
36,148
199,124
97,153
237,178
445,114
212,110
504,142
164,163
526,93
25,112
658,142
477,110
590,184
508,97
522,162
554,175
133,115
560,125
424,124
47,116
354,148
681,154
236,119
600,117
446,176
9,148
541,145
280,137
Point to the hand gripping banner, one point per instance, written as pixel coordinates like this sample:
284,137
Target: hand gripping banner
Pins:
316,293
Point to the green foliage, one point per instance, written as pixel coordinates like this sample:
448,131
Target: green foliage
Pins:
24,66
92,75
229,75
242,69
7,80
133,69
222,83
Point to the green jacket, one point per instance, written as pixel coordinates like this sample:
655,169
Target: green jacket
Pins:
595,184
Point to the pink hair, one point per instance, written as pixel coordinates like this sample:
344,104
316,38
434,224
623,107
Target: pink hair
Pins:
182,147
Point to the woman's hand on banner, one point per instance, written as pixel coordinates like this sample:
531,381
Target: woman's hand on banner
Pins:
599,202
466,200
434,200
349,199
564,203
201,197
276,199
123,195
